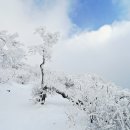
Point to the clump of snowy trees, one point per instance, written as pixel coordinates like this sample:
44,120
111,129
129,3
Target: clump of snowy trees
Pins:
11,56
12,60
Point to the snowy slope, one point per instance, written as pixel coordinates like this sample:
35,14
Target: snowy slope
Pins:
18,112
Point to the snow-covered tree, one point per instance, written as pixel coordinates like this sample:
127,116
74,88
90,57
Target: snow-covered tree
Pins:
11,55
44,49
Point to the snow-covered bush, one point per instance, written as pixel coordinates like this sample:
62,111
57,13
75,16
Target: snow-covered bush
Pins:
27,74
22,77
106,106
5,75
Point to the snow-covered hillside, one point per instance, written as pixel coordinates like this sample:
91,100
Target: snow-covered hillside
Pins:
103,107
18,112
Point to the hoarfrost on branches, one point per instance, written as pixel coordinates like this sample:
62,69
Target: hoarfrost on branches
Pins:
106,106
11,54
48,40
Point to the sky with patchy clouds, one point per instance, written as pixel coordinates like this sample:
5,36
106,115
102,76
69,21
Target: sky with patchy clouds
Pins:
95,34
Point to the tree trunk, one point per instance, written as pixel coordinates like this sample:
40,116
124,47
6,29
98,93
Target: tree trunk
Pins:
42,70
43,94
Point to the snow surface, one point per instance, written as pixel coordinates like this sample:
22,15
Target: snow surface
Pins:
18,112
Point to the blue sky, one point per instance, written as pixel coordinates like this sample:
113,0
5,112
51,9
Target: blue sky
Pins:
94,13
91,14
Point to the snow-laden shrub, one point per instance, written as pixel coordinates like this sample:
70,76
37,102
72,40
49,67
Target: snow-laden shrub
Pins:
36,91
26,74
5,75
22,77
106,106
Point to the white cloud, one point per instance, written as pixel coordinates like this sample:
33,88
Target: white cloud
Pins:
23,16
105,52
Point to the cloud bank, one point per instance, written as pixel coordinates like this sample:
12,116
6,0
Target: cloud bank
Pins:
105,51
